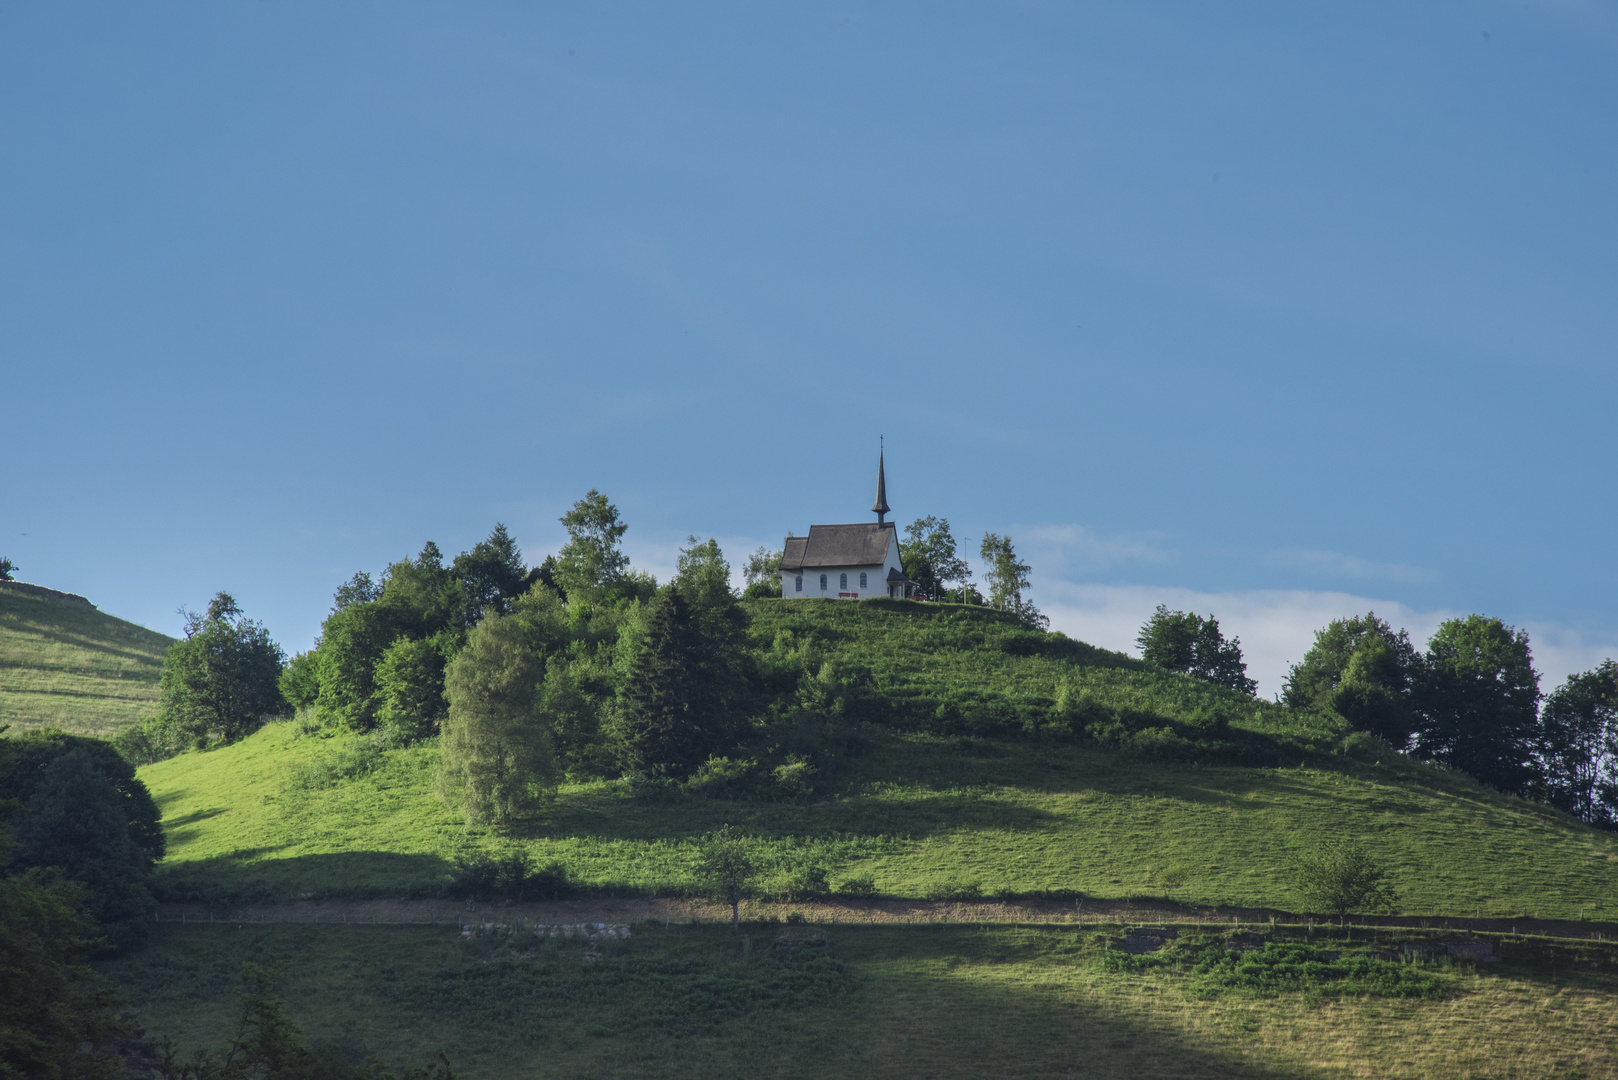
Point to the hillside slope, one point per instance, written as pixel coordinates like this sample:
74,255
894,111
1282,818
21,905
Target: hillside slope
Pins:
977,806
65,664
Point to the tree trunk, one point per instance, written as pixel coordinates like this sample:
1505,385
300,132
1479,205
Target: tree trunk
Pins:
735,915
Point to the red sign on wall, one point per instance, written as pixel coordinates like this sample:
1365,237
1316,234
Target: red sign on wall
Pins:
853,595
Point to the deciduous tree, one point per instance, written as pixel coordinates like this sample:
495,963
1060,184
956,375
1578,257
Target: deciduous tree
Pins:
1579,745
1373,692
1478,702
1192,645
55,1011
1310,682
410,689
75,821
931,558
222,680
1007,577
591,563
726,869
762,572
495,758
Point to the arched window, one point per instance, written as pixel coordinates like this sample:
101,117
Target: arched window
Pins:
799,586
842,582
822,582
862,580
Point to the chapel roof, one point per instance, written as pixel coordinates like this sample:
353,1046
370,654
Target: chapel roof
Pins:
861,544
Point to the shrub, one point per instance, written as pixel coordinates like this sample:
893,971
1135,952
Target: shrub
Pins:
857,886
724,778
1342,877
482,876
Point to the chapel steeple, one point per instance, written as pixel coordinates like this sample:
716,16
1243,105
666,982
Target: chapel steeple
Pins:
880,507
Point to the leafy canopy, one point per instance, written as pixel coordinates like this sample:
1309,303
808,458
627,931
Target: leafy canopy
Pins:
222,680
1478,702
931,558
1187,643
54,1009
1007,577
75,822
1579,745
591,563
495,755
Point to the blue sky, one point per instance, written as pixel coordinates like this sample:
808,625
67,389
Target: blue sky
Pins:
1272,310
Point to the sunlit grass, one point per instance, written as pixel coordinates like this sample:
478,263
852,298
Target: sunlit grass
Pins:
73,667
918,817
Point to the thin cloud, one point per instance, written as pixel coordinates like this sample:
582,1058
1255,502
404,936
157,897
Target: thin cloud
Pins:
1076,549
1339,564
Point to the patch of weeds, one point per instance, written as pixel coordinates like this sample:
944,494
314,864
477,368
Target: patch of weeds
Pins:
956,890
1210,966
511,876
349,763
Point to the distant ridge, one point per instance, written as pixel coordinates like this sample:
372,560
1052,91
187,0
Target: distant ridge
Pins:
66,664
40,590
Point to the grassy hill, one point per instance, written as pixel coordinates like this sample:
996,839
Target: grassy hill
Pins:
964,777
64,664
927,809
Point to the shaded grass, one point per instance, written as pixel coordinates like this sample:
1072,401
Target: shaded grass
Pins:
69,666
915,815
885,1001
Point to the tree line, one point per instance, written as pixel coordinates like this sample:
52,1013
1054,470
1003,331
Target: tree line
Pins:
1471,700
585,666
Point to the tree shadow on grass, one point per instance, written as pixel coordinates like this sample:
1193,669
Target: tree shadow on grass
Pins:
694,1001
254,875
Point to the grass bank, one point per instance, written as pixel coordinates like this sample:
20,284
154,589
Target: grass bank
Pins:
283,815
70,666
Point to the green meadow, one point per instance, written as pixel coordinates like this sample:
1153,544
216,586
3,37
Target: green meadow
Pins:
882,1001
955,777
283,815
69,666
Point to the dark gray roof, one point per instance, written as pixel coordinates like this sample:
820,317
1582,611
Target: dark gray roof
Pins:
864,544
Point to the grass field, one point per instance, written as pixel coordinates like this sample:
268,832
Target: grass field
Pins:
70,666
275,817
938,1002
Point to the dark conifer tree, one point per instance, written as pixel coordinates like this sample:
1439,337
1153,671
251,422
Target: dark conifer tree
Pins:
492,574
677,708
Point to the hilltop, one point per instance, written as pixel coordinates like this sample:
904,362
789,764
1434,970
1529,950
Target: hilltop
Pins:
65,664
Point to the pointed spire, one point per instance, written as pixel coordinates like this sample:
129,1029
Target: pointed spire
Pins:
880,507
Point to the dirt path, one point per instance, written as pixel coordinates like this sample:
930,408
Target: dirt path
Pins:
847,911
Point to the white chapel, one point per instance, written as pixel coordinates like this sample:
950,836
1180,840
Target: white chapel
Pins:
847,562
